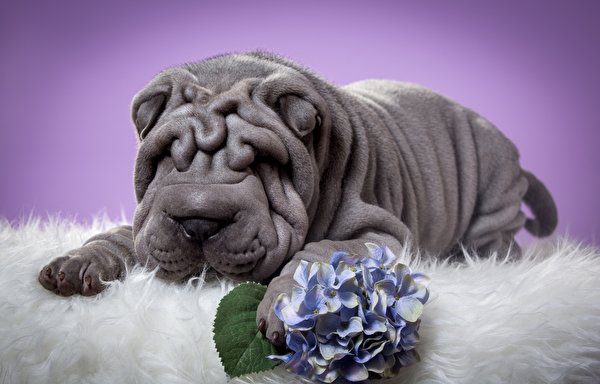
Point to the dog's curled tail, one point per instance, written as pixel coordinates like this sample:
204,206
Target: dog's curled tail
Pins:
542,205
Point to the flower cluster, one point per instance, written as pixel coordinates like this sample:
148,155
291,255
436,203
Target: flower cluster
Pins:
355,318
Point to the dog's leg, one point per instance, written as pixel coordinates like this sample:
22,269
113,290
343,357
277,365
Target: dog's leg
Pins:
497,219
103,257
266,319
501,185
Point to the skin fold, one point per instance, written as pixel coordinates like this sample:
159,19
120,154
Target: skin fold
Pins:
249,163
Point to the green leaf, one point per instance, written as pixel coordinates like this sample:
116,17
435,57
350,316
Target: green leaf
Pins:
241,346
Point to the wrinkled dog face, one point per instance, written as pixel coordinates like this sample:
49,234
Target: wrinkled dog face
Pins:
226,168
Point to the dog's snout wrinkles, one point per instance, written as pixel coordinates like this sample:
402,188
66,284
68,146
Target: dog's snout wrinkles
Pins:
200,229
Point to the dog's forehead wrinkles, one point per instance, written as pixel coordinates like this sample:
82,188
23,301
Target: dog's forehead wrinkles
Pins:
194,93
222,84
221,73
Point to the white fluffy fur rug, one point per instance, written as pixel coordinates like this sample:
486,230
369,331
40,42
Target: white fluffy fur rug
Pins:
532,321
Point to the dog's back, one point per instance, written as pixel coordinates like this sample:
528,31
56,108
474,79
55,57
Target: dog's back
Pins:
461,177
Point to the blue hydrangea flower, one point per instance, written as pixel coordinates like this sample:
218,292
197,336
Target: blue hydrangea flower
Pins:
353,318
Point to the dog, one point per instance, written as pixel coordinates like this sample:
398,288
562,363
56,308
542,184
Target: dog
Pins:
249,163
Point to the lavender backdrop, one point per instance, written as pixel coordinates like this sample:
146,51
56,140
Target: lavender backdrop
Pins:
69,69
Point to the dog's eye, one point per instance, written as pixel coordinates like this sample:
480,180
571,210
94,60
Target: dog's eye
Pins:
318,122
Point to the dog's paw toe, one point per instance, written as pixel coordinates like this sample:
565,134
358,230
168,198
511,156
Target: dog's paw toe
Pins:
274,329
266,319
71,274
271,326
92,283
50,276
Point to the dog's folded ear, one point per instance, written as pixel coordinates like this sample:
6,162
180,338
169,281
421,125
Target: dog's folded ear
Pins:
146,111
298,114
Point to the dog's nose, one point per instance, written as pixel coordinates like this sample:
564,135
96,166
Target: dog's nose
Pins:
200,229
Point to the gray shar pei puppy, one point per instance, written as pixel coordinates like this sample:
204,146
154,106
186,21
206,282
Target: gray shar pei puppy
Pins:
250,163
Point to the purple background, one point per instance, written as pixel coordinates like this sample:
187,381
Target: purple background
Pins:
69,70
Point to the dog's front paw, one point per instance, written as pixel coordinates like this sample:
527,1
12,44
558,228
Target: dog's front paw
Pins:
79,271
266,320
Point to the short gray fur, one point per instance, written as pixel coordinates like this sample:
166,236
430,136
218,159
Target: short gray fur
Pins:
249,163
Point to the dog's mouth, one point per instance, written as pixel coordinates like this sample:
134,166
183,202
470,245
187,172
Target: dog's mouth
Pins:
232,247
181,247
165,249
237,264
171,263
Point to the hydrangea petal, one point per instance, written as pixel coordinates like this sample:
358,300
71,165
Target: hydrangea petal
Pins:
348,299
400,270
352,328
301,367
375,252
407,286
375,347
390,332
290,316
388,257
312,274
317,369
363,356
345,341
339,257
410,336
409,308
298,295
314,299
386,285
282,301
353,268
353,371
328,376
408,342
418,292
348,312
301,273
295,341
379,303
346,281
376,364
422,294
285,358
377,274
367,277
311,341
332,351
374,323
332,300
319,360
304,325
407,358
327,324
326,275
